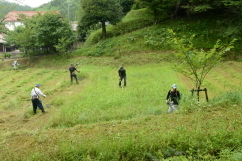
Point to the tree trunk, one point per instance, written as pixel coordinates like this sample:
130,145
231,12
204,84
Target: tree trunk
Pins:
176,10
103,30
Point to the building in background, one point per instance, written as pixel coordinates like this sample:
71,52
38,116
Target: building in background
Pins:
2,46
12,19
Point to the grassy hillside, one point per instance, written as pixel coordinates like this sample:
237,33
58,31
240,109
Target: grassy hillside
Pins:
97,120
138,34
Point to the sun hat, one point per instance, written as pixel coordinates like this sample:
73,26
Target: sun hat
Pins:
37,85
174,86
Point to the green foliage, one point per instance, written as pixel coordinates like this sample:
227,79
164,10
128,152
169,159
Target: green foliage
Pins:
68,8
97,120
7,55
41,33
13,6
131,22
162,9
5,8
64,45
126,5
105,11
196,63
233,98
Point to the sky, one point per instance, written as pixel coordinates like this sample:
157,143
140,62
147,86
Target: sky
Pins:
31,3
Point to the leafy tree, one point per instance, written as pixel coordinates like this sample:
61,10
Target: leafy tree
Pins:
13,5
21,38
63,45
126,5
195,63
41,33
4,10
68,8
100,11
161,9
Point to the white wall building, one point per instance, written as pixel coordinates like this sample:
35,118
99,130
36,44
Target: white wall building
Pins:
12,19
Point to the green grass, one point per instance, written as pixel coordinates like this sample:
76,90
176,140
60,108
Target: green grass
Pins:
129,36
97,120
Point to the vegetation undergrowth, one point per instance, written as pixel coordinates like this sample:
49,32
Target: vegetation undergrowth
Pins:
153,37
97,120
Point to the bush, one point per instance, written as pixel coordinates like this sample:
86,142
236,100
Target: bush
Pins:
7,55
129,23
229,98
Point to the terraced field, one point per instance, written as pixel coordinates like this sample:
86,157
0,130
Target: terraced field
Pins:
96,100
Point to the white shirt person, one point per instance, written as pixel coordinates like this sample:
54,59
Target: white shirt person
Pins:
35,95
15,64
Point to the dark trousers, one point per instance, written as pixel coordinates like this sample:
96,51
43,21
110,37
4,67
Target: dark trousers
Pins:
73,75
37,103
121,79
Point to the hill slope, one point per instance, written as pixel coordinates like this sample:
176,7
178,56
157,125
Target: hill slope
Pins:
97,120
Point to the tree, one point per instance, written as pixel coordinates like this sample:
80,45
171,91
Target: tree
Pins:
126,5
161,9
68,8
41,33
194,63
100,11
4,10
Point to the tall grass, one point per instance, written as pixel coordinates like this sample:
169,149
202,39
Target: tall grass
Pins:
104,100
98,120
138,35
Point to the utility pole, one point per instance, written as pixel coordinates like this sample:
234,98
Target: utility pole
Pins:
68,10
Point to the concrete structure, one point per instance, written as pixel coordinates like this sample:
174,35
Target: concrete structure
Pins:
74,25
2,46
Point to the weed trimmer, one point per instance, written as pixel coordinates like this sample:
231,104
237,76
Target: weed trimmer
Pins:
171,106
46,104
78,78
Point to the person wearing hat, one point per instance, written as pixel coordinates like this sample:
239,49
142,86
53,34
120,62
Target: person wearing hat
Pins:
73,71
35,94
122,76
172,98
15,64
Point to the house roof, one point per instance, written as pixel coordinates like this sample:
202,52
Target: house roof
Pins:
14,15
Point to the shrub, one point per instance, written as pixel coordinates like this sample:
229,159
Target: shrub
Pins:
129,23
229,98
7,55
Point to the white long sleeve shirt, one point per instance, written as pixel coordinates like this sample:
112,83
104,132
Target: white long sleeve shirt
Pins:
15,62
36,92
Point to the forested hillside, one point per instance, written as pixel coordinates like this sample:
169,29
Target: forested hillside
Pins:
14,6
68,8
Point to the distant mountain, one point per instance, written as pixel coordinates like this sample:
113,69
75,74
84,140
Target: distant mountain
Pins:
15,6
68,8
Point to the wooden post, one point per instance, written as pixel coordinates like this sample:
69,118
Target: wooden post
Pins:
192,91
198,90
206,94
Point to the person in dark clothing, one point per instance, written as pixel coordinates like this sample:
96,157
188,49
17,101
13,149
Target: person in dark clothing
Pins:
122,76
73,71
172,99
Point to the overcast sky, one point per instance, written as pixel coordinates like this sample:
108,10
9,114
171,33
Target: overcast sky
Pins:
31,3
